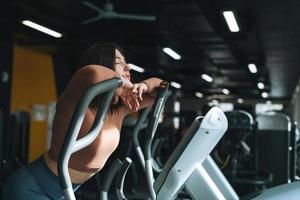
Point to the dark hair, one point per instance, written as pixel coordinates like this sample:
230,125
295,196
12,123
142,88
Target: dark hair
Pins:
100,54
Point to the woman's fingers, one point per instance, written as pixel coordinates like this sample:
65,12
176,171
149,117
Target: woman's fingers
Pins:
126,101
131,97
140,93
128,104
134,102
135,88
138,89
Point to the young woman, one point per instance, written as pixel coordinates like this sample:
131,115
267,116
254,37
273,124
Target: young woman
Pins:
38,180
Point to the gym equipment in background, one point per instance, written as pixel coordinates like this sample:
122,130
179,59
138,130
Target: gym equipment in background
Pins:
273,138
14,144
1,155
19,140
288,191
236,152
293,153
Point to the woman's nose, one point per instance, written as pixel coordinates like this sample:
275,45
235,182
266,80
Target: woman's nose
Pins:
127,68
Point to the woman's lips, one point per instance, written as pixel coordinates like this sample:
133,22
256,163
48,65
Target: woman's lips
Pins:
127,77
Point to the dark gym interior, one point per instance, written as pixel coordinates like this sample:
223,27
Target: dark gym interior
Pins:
250,71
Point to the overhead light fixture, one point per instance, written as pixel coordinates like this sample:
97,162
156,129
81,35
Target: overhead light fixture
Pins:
231,21
41,28
175,85
225,91
198,94
207,78
264,94
177,107
240,100
136,68
171,53
252,68
261,85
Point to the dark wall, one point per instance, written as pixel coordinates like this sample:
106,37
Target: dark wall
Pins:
64,68
6,61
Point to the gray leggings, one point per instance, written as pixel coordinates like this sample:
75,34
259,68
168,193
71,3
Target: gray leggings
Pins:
34,182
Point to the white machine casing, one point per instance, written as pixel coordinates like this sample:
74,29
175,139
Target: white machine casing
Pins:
194,147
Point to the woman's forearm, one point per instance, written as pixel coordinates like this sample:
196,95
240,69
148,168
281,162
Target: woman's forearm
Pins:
152,84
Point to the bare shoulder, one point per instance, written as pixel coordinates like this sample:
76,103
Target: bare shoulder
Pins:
95,73
94,69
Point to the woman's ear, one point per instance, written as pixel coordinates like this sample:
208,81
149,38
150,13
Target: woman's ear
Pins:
115,99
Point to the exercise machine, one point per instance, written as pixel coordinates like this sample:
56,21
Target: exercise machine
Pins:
199,140
236,154
274,128
182,165
190,155
70,145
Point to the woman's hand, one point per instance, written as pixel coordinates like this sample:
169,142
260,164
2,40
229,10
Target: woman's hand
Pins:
139,88
131,94
126,85
130,99
135,95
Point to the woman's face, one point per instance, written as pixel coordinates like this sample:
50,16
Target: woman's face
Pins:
121,67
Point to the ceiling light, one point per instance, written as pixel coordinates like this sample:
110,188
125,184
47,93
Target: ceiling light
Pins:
41,28
264,95
175,85
177,107
198,94
231,21
171,53
136,68
240,100
261,85
252,68
225,91
207,78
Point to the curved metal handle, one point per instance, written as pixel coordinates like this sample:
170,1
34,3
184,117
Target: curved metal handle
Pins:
121,177
70,144
115,167
138,126
156,146
159,103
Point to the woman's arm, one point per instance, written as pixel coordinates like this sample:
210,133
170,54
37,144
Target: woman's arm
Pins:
143,94
152,84
80,81
86,77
